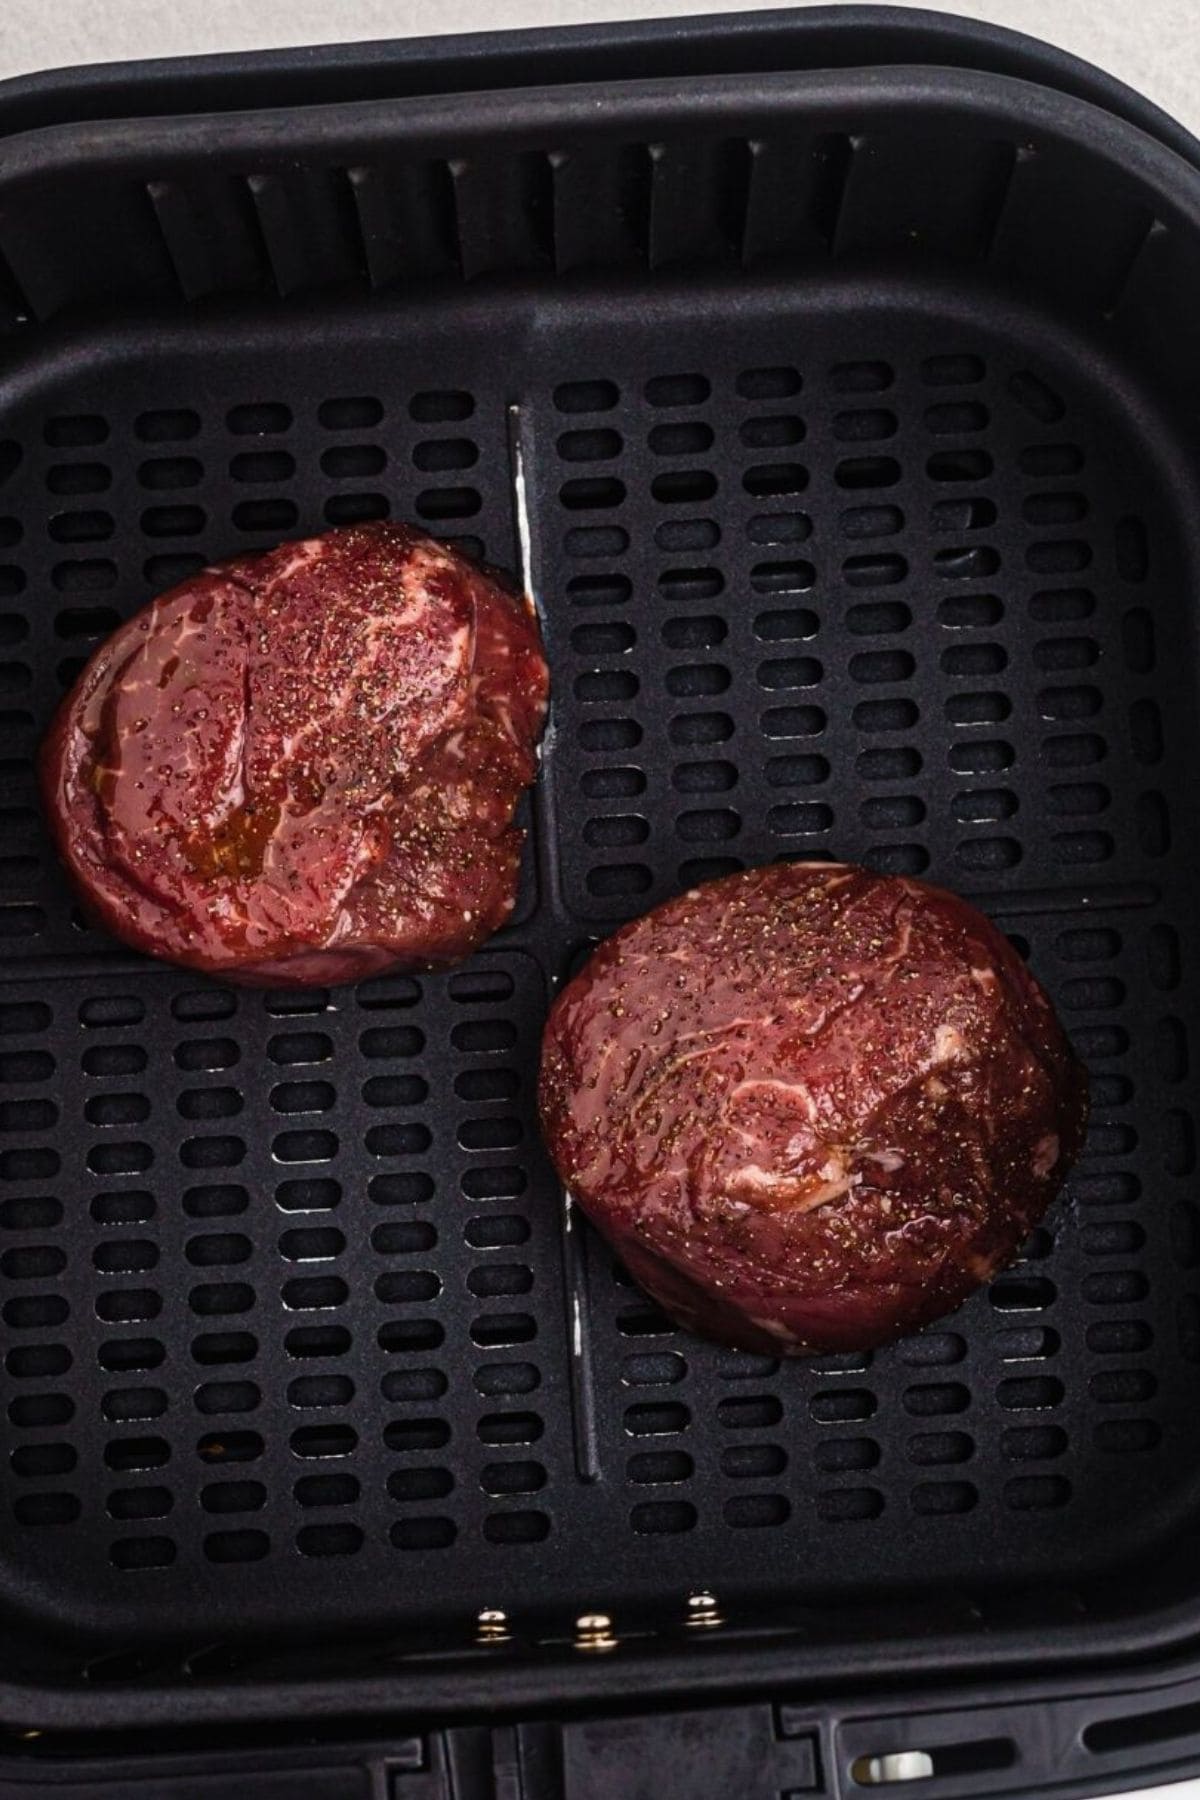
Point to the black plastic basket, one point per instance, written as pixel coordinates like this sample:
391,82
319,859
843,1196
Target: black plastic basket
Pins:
857,409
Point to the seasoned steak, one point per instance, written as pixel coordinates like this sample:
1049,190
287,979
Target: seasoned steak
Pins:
302,766
811,1107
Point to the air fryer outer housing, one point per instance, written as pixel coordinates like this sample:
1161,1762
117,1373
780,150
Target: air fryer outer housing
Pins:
849,362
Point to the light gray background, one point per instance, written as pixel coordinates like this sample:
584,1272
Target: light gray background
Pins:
1152,44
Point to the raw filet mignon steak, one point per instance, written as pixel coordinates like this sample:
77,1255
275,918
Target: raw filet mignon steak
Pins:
302,766
811,1107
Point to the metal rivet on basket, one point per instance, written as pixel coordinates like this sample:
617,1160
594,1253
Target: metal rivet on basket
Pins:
492,1626
703,1608
896,1765
593,1631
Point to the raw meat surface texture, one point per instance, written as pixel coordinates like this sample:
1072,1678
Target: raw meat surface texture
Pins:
811,1107
302,766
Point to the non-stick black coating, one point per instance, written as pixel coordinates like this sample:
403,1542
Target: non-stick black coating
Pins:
880,547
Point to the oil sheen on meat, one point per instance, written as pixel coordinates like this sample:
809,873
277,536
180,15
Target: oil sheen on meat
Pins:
302,766
811,1107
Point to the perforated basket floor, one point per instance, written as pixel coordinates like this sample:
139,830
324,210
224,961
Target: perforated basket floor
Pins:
285,1308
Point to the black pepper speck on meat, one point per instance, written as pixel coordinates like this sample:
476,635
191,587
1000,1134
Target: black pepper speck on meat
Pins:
811,1107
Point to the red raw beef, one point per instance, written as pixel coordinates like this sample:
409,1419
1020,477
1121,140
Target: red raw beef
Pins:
811,1107
302,766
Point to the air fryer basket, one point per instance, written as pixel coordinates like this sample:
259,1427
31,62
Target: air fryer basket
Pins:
857,416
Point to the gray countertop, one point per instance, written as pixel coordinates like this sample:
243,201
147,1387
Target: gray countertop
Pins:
1154,45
